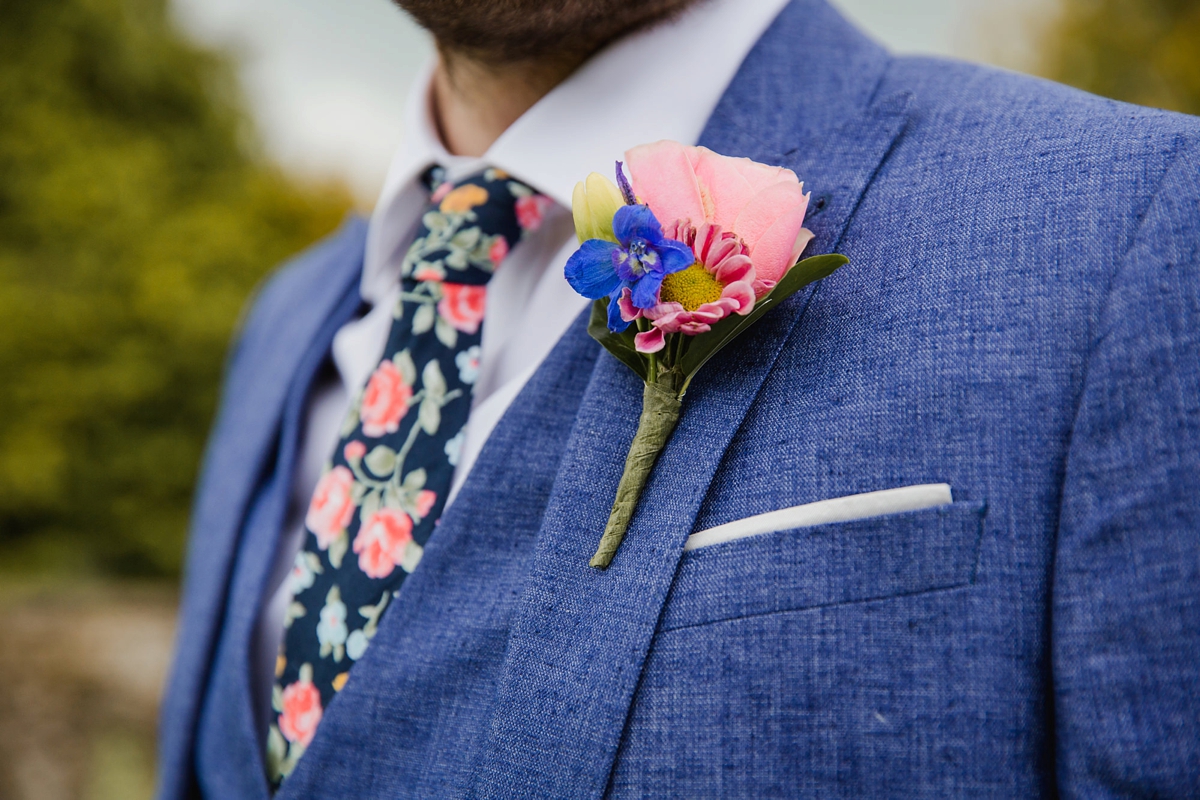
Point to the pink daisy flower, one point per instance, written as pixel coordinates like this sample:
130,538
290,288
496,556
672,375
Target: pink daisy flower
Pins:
720,282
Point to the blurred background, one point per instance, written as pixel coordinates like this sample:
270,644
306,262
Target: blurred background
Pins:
157,159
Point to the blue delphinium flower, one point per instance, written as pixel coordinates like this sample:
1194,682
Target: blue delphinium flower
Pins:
639,262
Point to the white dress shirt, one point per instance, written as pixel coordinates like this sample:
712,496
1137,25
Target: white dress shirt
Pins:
659,83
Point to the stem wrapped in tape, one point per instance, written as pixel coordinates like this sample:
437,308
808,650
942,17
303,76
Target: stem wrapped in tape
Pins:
660,413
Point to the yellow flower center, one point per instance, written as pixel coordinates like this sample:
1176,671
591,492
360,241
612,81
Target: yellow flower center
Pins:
691,287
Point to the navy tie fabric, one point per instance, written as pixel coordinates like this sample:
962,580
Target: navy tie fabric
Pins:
382,493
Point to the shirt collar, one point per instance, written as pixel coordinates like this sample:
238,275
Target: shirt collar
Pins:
659,83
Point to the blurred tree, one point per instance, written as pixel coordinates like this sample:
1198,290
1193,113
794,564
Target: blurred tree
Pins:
1140,51
136,215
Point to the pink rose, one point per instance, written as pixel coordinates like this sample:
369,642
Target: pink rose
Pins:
301,712
332,506
763,206
354,451
532,210
441,191
462,305
381,542
498,250
385,401
425,501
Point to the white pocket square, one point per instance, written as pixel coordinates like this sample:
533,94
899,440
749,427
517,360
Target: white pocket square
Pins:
840,509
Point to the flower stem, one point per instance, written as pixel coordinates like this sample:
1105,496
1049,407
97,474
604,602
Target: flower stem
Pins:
643,325
660,413
677,349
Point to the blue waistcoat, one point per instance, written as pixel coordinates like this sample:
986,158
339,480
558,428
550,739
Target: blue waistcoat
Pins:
1020,319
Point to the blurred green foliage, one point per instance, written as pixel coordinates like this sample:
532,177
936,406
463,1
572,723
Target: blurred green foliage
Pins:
136,216
1140,51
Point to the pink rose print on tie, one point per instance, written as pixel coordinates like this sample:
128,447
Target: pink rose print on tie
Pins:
427,273
462,305
332,506
531,211
385,401
381,542
440,193
498,251
354,451
301,712
425,501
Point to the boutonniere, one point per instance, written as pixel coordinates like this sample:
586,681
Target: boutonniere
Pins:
681,257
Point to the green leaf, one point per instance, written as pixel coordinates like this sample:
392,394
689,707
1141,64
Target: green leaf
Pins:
412,556
429,416
619,344
392,498
458,258
406,366
707,345
294,612
423,319
337,550
446,333
433,380
382,461
370,505
415,480
466,239
314,563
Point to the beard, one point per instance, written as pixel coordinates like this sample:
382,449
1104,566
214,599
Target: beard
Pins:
511,31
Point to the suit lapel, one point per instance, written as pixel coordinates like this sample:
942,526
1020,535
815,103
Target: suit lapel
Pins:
312,297
581,636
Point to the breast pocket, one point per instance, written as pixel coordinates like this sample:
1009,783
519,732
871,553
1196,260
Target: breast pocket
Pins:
825,565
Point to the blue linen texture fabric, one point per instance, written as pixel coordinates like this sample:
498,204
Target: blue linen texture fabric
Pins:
1020,318
383,491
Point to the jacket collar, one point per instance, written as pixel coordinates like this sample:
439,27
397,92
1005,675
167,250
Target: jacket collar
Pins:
804,98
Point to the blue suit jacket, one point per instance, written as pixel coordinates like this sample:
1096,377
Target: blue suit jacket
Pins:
1020,319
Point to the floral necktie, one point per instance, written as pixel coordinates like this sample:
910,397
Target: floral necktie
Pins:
383,491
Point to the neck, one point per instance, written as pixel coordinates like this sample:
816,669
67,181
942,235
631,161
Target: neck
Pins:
475,101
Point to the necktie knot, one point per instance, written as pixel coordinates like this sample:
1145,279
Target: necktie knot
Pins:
469,227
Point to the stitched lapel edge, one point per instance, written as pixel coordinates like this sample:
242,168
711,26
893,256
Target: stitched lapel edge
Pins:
581,637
